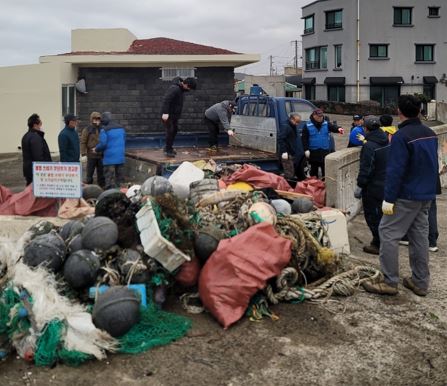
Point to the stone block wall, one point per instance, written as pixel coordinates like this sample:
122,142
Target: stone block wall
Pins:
134,96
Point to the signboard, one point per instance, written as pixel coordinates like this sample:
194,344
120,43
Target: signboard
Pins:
57,179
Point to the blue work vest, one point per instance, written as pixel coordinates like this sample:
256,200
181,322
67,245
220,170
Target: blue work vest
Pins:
318,139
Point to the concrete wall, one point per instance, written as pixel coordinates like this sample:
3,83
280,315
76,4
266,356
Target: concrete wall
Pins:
441,112
29,89
272,85
342,169
134,96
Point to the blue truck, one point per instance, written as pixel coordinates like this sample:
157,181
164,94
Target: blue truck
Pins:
257,122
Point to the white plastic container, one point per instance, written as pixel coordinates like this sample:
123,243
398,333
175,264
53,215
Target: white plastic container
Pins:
154,244
337,229
183,176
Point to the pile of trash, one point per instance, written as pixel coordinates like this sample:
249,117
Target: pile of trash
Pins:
232,241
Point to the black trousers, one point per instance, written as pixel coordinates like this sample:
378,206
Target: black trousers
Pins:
171,127
114,175
433,233
314,166
213,131
372,210
92,164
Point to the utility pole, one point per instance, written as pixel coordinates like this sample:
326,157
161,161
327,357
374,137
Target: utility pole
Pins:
296,54
271,65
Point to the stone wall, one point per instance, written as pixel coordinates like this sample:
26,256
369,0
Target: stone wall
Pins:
366,108
134,96
342,169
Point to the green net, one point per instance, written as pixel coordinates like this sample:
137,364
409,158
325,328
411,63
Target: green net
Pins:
48,343
156,328
12,322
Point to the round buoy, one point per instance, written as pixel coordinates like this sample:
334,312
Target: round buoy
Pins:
81,269
47,250
71,229
99,233
130,262
206,242
302,205
261,212
155,186
91,192
282,206
116,311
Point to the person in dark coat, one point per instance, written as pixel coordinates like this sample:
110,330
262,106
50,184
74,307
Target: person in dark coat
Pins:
171,110
34,147
316,140
112,143
371,178
218,114
291,148
69,148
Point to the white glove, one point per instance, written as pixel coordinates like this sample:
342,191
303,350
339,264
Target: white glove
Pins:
341,130
387,208
84,159
307,153
284,156
165,117
230,132
361,138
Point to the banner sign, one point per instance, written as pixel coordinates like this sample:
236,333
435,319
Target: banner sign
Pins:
57,179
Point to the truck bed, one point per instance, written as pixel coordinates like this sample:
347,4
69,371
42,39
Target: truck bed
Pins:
226,154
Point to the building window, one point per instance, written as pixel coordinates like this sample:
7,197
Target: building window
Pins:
68,99
336,93
425,52
309,24
337,55
402,16
334,19
386,95
378,50
309,91
433,11
171,73
316,58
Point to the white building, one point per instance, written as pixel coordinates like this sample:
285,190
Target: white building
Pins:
357,50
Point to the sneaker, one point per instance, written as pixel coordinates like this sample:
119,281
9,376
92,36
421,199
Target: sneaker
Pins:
380,288
408,283
170,153
404,242
433,249
371,249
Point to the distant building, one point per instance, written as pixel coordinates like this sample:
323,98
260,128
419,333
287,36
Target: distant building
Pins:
401,50
273,85
112,70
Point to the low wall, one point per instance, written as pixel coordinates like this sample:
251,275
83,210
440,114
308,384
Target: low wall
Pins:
13,227
342,168
365,108
441,112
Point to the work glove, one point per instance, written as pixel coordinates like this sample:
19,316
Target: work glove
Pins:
341,130
84,159
230,132
387,208
284,156
361,138
307,153
358,192
165,117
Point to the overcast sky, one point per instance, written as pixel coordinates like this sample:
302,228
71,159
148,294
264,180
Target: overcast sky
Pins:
32,28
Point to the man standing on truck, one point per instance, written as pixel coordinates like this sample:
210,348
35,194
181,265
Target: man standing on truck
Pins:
291,148
218,113
171,110
317,141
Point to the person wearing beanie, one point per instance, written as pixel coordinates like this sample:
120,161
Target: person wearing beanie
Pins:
68,140
112,143
89,140
171,110
371,179
34,147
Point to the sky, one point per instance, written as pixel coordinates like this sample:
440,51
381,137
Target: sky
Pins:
33,28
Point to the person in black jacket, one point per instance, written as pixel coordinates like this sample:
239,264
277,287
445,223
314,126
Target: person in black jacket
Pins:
371,178
291,149
171,110
34,147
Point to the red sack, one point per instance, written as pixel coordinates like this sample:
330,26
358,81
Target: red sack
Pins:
258,178
313,187
240,267
25,204
189,273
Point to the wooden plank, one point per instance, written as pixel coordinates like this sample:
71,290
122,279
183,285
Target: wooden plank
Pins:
292,195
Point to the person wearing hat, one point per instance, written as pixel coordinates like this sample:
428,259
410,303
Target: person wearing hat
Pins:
316,140
89,140
371,178
219,113
171,110
68,140
34,147
356,131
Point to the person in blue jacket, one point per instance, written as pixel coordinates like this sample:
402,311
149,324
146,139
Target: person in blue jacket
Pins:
112,143
316,140
68,139
410,188
356,130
